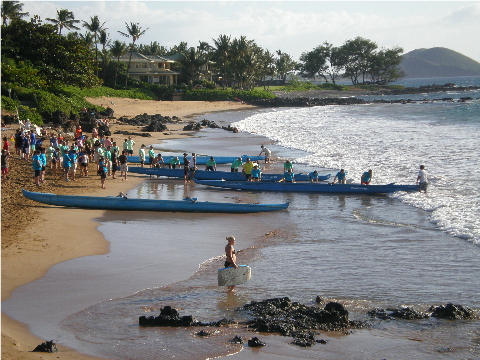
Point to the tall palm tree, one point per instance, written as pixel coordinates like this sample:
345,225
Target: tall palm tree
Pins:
117,49
65,19
12,10
94,27
134,31
104,41
222,52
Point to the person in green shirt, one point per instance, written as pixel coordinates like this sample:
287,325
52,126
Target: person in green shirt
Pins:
130,144
236,164
211,164
141,155
151,156
287,165
174,161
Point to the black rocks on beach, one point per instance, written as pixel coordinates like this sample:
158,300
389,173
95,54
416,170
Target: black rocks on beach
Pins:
453,312
448,311
48,347
285,317
170,317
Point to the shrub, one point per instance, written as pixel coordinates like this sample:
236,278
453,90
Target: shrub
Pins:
9,104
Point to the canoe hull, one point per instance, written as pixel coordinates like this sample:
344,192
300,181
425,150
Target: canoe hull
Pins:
202,160
309,187
120,203
215,175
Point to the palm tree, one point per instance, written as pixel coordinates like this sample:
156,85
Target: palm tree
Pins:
134,31
222,52
65,19
104,41
117,49
94,27
12,10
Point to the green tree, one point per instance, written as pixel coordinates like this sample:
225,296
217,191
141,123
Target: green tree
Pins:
94,26
285,65
267,63
65,19
117,50
355,56
222,56
12,10
384,66
134,31
192,60
58,59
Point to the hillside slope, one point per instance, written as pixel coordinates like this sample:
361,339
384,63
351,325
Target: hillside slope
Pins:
438,62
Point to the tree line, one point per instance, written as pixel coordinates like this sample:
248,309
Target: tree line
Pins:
45,54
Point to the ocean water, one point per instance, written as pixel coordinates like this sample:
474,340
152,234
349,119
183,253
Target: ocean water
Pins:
366,252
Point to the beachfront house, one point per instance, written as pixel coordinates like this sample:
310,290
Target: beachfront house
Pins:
152,69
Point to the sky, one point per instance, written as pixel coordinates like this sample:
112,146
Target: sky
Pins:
293,27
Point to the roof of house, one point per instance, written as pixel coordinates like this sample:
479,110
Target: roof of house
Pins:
137,57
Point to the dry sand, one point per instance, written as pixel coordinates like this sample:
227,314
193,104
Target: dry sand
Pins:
33,242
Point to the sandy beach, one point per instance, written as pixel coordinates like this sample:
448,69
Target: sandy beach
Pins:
33,236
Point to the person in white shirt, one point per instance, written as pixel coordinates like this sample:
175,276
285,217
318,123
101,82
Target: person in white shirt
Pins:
422,179
267,152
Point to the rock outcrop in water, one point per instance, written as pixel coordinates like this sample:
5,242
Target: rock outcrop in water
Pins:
448,311
288,318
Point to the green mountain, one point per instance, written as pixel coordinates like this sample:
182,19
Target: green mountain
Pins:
438,62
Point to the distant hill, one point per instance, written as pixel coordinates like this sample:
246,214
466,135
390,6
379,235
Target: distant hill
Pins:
438,62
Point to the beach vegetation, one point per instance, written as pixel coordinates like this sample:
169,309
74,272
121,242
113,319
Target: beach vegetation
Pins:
226,95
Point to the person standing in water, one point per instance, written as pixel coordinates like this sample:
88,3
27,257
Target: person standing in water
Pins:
231,259
422,179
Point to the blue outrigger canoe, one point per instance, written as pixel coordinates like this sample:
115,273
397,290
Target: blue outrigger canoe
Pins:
122,203
201,159
215,175
309,187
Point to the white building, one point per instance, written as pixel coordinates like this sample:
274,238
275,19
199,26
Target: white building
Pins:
152,69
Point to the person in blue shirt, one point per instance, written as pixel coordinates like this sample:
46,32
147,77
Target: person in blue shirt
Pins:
313,176
256,173
43,160
67,163
289,176
37,166
33,140
367,177
340,177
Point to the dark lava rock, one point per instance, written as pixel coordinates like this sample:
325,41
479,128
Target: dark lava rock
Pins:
319,300
322,341
155,126
404,313
255,342
451,311
237,340
203,333
48,346
122,132
192,127
209,123
283,316
304,339
168,317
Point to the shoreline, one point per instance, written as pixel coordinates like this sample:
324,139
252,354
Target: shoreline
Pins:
27,255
